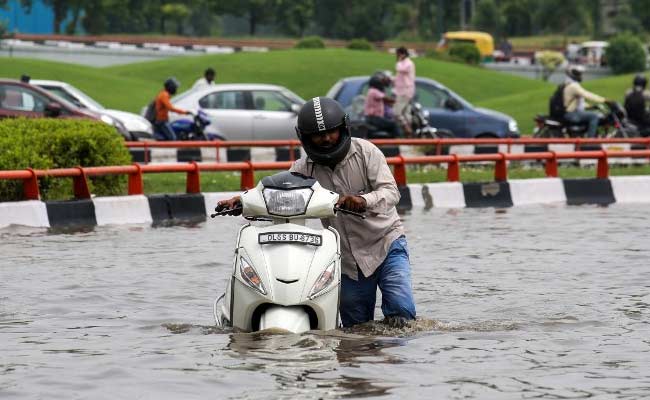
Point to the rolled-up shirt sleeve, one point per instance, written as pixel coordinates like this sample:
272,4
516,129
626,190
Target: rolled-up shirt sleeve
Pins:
300,166
384,195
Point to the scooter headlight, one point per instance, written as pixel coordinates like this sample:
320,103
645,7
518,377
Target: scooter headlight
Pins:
324,280
287,203
250,276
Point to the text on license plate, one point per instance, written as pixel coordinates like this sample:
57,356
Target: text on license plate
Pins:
290,237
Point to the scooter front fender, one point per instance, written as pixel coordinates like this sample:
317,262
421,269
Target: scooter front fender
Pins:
291,319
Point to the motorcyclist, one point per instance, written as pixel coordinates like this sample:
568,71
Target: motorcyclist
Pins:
575,95
375,105
163,105
636,104
374,250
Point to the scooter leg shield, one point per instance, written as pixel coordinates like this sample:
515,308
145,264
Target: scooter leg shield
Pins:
293,319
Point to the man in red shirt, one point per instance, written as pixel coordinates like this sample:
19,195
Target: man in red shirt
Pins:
163,105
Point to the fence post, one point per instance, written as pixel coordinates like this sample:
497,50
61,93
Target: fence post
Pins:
217,146
603,166
80,185
193,184
30,187
400,172
136,185
146,153
439,147
248,177
551,166
501,169
453,169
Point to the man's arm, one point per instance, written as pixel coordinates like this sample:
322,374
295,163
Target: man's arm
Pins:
384,195
168,105
590,97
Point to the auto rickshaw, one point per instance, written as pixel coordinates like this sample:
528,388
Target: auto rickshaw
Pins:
483,42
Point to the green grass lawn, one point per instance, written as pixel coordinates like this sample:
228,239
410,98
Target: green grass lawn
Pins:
309,73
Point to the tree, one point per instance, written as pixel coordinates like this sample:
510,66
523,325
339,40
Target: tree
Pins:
294,16
625,54
177,12
487,17
641,10
565,16
517,19
255,11
626,22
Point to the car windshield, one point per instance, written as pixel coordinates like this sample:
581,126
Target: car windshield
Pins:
293,97
74,96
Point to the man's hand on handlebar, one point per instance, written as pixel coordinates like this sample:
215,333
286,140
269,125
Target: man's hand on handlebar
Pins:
352,203
230,207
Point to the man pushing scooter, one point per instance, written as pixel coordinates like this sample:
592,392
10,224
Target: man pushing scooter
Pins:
374,250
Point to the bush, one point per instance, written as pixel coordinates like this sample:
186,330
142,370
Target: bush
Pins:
550,61
53,143
442,56
465,51
310,42
360,44
625,54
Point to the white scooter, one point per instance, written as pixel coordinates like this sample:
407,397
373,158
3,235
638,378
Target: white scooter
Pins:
285,275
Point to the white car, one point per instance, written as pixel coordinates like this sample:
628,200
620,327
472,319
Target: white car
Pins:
138,127
244,111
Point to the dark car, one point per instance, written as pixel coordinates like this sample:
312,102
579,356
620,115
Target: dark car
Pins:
19,99
446,109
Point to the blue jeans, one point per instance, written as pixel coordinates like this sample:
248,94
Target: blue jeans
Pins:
589,117
163,131
393,277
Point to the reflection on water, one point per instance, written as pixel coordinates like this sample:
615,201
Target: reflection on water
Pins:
530,302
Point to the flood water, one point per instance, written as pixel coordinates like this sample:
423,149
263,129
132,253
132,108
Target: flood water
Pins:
529,302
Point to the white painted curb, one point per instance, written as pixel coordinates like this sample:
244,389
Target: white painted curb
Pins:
122,210
631,189
537,191
444,195
27,213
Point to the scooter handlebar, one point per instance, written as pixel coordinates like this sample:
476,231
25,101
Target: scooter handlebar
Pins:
227,211
344,211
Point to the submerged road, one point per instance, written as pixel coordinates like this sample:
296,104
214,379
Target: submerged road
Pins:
527,302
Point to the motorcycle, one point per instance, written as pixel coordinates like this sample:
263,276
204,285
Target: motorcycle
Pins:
192,129
285,276
613,123
418,118
420,126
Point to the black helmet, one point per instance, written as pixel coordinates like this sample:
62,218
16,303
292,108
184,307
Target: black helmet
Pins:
171,85
575,72
320,115
377,81
640,81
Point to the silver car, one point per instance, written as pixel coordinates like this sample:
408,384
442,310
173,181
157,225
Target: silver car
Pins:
244,111
138,127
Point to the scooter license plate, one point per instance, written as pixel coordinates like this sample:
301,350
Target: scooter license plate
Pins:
290,237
